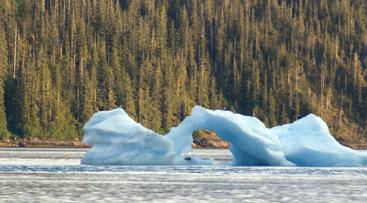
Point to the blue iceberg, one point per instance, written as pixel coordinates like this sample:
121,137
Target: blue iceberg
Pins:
116,139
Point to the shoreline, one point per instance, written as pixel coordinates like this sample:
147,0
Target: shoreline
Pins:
197,144
82,146
78,144
41,144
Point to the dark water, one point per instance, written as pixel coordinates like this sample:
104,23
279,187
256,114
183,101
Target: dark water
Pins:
55,175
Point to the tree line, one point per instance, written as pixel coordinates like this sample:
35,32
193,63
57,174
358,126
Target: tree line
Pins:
278,60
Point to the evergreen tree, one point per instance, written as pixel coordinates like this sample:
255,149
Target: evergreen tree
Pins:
61,61
3,74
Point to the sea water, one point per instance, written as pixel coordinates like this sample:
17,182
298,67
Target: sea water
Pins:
56,175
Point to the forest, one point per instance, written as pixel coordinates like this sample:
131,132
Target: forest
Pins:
63,60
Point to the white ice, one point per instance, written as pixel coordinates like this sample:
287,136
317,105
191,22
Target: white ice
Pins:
308,142
116,139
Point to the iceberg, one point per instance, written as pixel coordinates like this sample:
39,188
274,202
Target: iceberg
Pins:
116,139
308,142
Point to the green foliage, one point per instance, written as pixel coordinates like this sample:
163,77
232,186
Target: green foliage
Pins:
61,61
4,133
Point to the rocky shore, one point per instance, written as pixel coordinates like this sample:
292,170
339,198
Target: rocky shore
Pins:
37,143
208,139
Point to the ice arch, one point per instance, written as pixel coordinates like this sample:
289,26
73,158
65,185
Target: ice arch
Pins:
250,141
118,139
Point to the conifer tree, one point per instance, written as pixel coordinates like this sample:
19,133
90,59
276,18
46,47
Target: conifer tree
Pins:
278,60
3,75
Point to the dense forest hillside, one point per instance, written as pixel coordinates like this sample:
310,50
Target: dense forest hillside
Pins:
63,60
